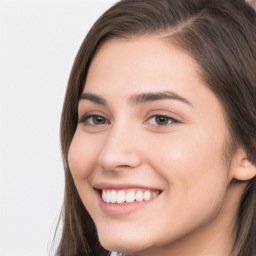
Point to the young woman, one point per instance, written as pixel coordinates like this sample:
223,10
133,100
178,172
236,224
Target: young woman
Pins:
158,132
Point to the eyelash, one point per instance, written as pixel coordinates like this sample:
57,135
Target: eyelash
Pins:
169,120
85,119
88,120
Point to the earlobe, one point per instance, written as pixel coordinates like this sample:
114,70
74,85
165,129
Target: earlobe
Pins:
245,170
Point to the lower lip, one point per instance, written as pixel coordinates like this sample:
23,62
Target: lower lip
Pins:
121,209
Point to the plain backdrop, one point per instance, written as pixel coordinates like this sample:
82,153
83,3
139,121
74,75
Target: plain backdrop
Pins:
38,43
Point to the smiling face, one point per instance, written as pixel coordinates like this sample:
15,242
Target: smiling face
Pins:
148,155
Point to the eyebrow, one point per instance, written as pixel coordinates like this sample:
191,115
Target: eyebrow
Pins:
138,99
154,96
93,98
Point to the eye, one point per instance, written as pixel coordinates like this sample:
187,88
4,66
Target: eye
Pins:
160,120
94,120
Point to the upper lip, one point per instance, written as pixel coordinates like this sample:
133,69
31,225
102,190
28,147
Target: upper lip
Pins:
105,185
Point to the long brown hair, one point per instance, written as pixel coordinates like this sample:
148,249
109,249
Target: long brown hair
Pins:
221,37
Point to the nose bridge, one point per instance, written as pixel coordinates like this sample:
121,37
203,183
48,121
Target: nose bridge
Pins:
120,149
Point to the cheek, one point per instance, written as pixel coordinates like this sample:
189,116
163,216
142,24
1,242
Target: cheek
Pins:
196,178
192,150
82,156
191,160
82,159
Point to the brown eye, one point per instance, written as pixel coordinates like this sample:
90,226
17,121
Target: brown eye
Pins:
94,120
161,120
98,120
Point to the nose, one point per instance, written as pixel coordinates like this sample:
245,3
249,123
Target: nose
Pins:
120,150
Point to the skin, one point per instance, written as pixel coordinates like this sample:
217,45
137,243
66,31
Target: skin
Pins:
195,213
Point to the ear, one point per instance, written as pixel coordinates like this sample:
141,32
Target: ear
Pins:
242,168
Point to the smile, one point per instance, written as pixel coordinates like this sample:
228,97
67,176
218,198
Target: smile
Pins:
127,196
124,199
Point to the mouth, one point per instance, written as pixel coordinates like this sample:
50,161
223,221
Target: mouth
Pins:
127,196
124,199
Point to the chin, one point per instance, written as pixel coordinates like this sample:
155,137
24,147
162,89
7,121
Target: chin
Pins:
124,244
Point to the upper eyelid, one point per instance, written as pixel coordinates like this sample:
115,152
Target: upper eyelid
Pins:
165,113
92,113
150,114
85,117
175,120
167,116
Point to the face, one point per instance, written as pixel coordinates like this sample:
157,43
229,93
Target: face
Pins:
147,154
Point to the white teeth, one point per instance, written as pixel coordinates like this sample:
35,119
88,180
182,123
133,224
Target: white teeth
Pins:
139,196
147,195
120,197
104,195
108,196
130,197
114,196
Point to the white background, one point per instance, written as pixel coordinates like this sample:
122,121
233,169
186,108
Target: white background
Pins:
39,40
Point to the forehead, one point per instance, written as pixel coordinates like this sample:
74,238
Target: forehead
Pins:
147,62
